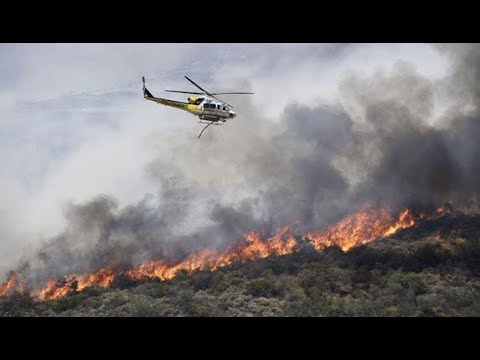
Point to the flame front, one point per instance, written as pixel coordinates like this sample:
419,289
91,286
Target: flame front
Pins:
282,243
254,247
361,227
58,288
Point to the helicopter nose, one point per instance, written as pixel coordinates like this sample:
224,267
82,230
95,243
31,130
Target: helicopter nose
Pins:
233,114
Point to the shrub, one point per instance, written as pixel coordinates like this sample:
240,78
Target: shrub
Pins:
15,305
153,289
202,280
427,256
261,287
403,284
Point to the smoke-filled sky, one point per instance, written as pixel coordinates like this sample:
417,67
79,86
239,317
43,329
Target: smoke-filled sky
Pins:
89,166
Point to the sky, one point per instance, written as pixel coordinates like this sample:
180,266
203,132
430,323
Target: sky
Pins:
74,123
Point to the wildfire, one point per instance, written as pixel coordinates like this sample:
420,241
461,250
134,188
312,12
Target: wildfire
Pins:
253,248
358,228
165,271
282,243
9,284
58,288
13,284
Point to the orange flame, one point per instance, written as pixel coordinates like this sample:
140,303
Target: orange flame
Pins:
281,243
8,285
56,289
361,227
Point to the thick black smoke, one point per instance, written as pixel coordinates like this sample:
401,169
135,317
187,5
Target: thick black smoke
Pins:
416,163
384,145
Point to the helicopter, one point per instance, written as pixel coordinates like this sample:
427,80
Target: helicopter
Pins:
209,109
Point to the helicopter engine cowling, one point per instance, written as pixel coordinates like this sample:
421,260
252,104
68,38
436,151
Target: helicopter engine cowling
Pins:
192,99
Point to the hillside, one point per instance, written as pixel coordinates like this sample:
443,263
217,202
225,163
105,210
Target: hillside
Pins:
432,269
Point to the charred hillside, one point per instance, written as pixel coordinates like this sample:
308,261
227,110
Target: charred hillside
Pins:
430,269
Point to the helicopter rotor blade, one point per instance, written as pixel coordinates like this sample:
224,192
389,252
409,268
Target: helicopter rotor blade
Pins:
198,86
186,92
224,102
233,93
206,92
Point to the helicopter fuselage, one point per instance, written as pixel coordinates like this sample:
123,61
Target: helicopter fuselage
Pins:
205,108
208,109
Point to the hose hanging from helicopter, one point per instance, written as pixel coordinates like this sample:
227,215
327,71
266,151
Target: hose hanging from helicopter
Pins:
205,128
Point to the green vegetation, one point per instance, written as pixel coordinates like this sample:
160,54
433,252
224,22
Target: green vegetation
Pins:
415,273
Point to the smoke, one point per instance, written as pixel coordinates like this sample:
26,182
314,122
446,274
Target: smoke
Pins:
408,160
382,142
403,159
